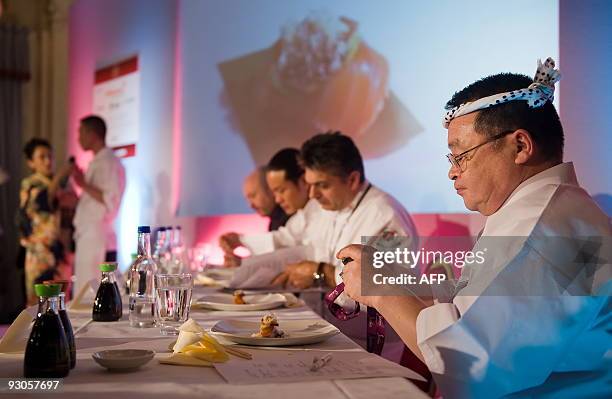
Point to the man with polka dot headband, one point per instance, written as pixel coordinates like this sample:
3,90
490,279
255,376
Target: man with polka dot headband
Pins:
533,319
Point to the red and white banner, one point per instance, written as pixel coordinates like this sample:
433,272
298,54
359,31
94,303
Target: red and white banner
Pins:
117,100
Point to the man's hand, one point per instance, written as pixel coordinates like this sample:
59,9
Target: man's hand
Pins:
78,176
351,274
231,260
66,170
298,275
400,311
228,242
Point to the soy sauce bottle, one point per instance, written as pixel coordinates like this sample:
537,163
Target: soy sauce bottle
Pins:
107,306
63,314
47,353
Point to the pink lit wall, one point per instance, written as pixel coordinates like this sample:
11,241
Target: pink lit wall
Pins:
102,33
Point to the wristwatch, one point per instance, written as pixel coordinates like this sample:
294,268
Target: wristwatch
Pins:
319,275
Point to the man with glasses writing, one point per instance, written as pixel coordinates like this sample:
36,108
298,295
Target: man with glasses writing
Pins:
532,320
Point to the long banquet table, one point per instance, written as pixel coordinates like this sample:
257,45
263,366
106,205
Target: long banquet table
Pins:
89,380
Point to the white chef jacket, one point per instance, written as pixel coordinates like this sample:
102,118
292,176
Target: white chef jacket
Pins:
330,231
525,323
107,174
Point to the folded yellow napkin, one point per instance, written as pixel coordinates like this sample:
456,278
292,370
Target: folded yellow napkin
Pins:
181,359
194,347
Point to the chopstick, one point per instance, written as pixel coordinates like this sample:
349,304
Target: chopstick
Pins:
238,353
78,330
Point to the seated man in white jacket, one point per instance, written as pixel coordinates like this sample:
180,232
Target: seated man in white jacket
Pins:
532,320
344,207
284,178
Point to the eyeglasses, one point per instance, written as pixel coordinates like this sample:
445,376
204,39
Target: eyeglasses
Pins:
456,160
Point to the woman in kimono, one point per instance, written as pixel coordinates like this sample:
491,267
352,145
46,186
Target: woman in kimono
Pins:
39,215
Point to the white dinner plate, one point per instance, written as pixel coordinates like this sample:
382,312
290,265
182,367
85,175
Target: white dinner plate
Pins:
219,272
222,301
297,332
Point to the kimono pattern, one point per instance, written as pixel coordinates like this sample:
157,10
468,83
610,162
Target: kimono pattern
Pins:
43,248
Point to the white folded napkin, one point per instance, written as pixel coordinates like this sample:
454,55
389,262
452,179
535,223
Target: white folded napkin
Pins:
84,299
16,337
190,333
292,300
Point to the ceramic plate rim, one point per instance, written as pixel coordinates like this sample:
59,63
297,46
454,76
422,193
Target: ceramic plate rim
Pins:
288,341
235,307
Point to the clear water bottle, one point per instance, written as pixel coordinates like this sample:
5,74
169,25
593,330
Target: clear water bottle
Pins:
142,283
177,242
159,246
169,241
47,353
126,276
178,256
163,249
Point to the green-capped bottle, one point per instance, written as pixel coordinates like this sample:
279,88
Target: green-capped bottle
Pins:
47,353
107,305
63,314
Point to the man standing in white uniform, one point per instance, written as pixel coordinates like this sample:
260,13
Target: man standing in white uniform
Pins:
534,319
102,188
344,207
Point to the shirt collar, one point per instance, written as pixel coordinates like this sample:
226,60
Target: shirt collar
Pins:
103,153
563,173
355,200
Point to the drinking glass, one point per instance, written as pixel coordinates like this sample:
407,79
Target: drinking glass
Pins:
172,301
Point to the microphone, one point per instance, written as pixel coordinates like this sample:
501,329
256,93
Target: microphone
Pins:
64,182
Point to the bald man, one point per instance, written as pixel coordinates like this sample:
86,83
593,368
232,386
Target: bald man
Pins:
261,199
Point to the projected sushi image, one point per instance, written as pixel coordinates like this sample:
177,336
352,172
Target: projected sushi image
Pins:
319,75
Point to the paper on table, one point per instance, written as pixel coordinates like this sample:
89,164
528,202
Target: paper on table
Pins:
16,336
259,270
381,388
267,367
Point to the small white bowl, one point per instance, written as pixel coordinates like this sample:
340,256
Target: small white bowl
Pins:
123,359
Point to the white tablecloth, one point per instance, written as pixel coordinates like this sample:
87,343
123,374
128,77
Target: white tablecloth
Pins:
89,380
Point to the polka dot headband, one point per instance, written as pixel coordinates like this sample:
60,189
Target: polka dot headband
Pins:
537,94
